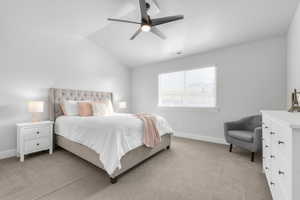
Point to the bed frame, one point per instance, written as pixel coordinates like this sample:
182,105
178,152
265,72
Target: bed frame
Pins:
128,161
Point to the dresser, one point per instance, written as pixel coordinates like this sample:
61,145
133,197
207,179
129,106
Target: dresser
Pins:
34,137
281,153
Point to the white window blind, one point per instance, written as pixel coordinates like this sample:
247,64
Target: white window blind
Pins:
193,88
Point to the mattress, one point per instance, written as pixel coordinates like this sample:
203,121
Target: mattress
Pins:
109,136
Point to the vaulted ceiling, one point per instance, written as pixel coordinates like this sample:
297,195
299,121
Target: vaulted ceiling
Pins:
208,24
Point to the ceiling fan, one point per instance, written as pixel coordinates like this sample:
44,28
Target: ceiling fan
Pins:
147,24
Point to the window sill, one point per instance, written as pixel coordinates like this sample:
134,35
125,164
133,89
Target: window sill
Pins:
193,109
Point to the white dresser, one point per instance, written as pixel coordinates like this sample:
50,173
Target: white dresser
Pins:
281,153
34,137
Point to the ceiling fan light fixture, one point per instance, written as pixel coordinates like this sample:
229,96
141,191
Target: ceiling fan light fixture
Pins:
146,28
147,24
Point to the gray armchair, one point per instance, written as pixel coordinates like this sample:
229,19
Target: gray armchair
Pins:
245,133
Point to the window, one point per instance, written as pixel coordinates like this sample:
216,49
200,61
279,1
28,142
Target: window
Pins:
193,88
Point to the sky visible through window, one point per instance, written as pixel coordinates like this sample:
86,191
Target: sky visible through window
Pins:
193,88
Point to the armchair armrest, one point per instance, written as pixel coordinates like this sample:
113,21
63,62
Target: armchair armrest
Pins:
257,139
257,133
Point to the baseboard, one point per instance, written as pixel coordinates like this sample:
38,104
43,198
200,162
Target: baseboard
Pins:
201,137
7,153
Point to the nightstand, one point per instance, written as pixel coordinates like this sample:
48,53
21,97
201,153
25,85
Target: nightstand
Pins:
34,137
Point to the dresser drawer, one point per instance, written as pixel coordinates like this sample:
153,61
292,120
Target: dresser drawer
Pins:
283,176
284,145
266,157
34,133
266,127
39,144
268,170
278,194
282,142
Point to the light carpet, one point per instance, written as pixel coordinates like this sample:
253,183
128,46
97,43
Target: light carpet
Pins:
190,170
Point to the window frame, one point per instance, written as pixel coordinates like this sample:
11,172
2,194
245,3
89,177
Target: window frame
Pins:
183,107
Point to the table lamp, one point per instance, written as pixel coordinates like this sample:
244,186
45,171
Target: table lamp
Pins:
35,107
122,104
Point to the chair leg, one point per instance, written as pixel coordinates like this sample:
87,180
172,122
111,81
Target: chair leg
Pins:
252,157
230,148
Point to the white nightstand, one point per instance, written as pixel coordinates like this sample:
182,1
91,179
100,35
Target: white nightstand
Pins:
34,137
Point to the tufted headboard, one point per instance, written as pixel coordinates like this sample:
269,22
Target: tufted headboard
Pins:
56,97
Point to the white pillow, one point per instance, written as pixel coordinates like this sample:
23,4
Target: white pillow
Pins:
70,108
110,109
99,108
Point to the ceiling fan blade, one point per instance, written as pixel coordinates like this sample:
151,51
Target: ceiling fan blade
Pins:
164,20
143,8
157,32
121,20
136,34
156,4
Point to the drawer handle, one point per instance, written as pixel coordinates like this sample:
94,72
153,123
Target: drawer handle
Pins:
266,168
38,132
272,156
267,146
280,172
37,144
272,183
280,142
272,133
266,127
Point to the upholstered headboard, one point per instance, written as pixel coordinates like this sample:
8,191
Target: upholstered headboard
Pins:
57,96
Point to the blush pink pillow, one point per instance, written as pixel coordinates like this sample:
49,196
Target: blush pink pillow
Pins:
85,109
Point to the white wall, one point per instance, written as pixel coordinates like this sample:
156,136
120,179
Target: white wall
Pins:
251,77
32,61
293,57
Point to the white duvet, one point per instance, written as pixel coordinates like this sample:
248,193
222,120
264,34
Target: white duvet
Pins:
110,136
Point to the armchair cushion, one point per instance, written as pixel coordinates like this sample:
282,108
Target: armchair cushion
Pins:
246,136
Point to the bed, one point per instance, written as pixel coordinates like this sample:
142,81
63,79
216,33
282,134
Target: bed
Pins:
66,127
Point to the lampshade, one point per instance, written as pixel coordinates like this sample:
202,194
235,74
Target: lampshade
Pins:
36,106
122,104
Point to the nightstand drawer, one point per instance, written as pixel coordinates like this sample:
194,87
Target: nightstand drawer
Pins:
34,133
31,146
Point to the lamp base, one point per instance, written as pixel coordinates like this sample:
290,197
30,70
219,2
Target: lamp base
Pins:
35,117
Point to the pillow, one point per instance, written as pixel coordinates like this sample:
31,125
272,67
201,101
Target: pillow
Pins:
110,109
85,109
70,108
99,108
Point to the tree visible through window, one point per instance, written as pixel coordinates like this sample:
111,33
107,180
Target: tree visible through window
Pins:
193,88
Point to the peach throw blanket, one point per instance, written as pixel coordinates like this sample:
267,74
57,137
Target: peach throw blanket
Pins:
151,134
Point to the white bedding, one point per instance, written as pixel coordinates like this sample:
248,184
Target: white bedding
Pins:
110,136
